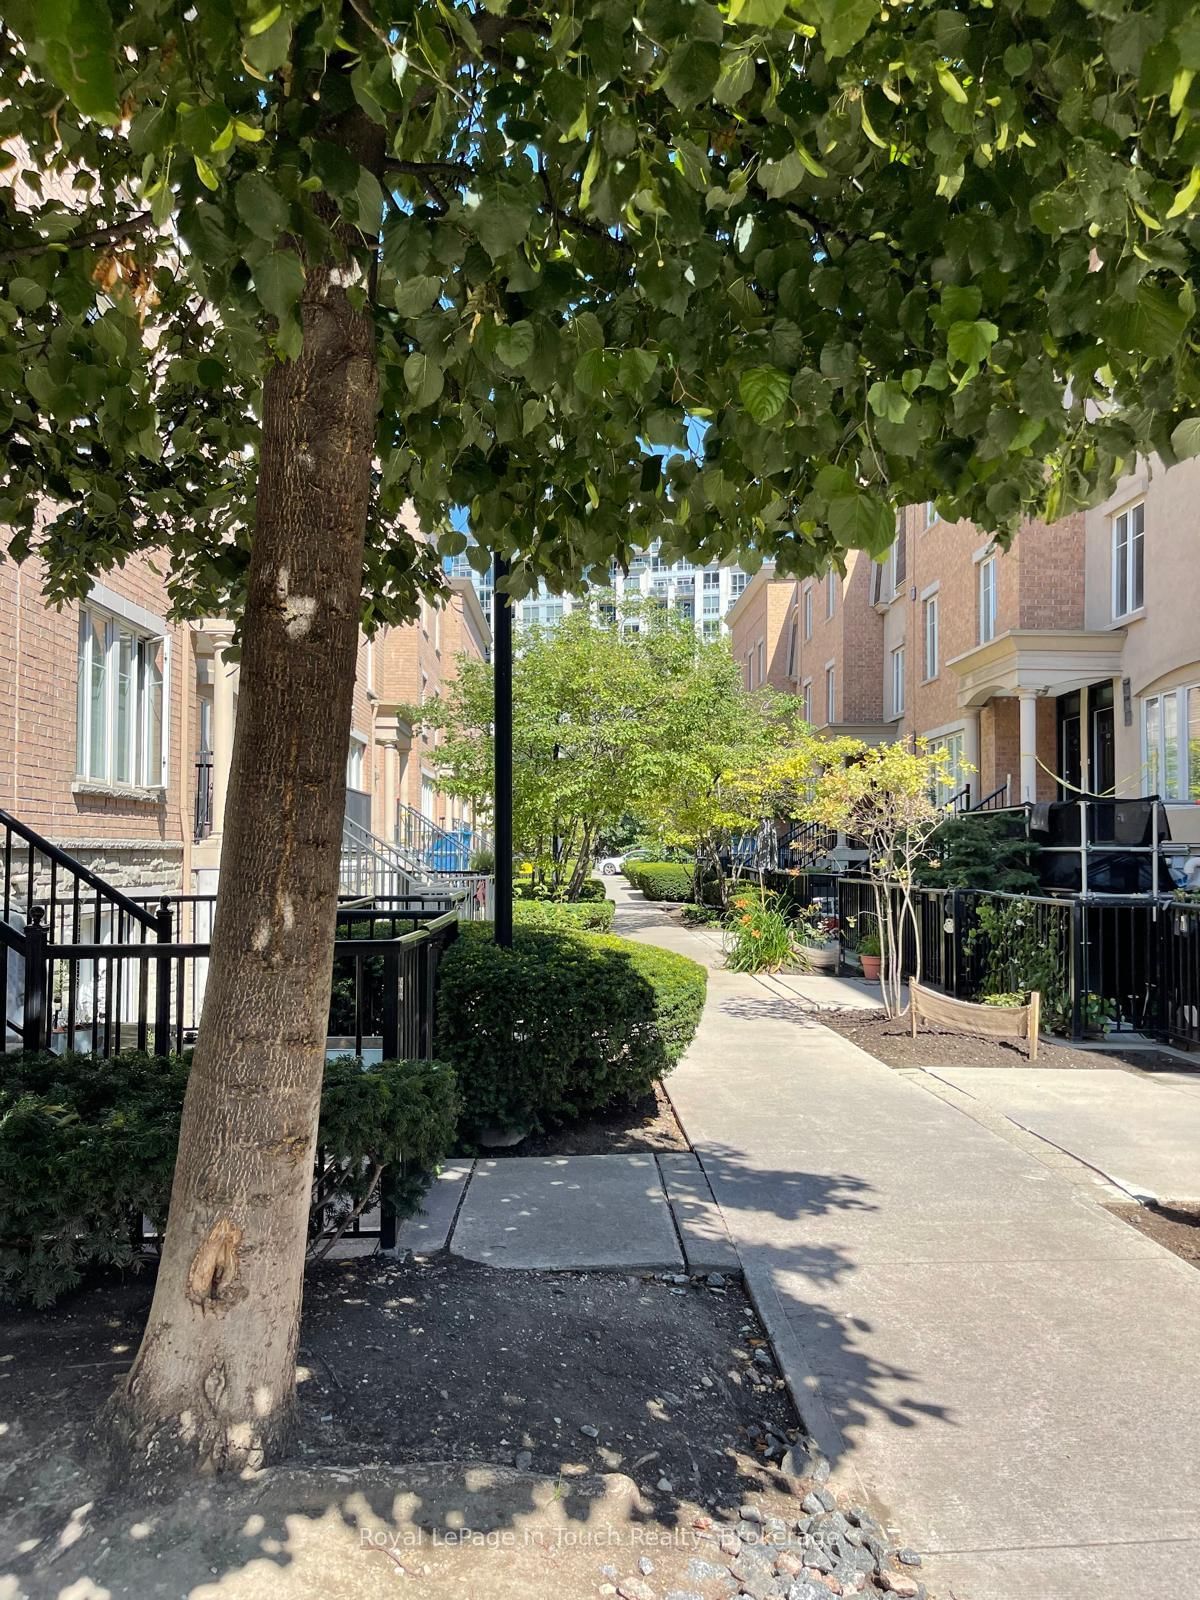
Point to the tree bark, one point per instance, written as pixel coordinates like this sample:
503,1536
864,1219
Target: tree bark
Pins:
214,1378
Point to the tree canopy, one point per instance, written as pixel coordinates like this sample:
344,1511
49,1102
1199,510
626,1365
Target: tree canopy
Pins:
861,255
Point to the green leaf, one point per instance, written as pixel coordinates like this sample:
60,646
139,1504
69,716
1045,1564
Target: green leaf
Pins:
425,379
514,344
1184,199
635,369
692,72
758,13
888,400
1149,326
501,224
206,174
267,20
1185,438
75,39
969,342
764,391
261,206
951,84
959,303
279,283
415,295
862,522
591,373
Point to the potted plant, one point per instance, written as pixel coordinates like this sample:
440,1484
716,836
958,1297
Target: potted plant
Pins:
819,936
870,953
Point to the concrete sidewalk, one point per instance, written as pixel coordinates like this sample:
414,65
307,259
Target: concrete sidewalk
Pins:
1008,1372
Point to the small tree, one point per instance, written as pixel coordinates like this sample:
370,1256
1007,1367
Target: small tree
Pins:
884,796
607,708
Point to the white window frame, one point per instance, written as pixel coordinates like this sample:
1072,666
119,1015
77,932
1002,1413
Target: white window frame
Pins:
930,637
103,628
897,567
830,692
356,764
762,662
954,744
898,681
1129,560
986,602
932,515
808,611
806,698
830,594
1170,707
793,634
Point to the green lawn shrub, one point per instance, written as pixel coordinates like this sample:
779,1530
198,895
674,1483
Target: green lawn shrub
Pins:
661,880
561,1025
594,916
87,1148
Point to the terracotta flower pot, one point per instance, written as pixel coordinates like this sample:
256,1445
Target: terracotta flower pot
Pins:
871,966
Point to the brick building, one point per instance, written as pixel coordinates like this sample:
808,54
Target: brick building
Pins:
1069,663
116,724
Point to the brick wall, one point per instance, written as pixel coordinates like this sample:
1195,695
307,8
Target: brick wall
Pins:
38,731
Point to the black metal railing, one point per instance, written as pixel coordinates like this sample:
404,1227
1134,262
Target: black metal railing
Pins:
1106,963
996,801
111,994
202,822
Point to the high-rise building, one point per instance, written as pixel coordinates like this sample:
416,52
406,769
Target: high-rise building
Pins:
701,595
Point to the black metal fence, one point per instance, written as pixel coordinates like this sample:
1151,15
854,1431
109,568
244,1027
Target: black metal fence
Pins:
1103,963
125,990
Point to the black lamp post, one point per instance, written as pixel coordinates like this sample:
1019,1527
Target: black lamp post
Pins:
502,728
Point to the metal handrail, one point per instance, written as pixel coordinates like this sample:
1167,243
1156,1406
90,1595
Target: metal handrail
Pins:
68,863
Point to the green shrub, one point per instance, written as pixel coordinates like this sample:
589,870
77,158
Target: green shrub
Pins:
483,861
595,916
87,1148
536,889
562,1024
661,880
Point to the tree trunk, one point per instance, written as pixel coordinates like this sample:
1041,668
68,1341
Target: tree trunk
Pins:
214,1379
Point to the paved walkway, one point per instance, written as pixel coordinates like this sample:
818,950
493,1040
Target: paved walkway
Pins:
1008,1371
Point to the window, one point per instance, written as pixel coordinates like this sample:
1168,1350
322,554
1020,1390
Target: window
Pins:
930,620
119,703
791,656
956,778
1129,532
830,696
737,583
762,661
750,669
808,612
356,763
898,681
1171,739
806,700
710,629
830,593
931,514
899,565
712,580
987,599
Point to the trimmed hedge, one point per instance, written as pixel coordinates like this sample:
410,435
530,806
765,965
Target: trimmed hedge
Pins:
87,1148
594,916
661,880
562,1024
526,889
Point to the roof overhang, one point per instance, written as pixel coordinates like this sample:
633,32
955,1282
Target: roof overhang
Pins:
1033,661
764,576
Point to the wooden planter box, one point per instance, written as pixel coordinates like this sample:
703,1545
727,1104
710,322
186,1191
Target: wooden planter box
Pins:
990,1022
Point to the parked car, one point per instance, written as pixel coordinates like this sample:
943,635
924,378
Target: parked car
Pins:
609,866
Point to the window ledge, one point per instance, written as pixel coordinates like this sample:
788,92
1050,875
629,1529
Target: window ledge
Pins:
118,791
933,678
1129,616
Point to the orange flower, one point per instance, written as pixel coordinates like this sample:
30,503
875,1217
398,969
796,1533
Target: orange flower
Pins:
743,921
756,933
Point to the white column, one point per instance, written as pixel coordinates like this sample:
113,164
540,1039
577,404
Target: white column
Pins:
1027,703
971,757
224,681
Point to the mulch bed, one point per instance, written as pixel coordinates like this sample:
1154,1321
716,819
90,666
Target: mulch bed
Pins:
890,1041
645,1125
1177,1230
447,1360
